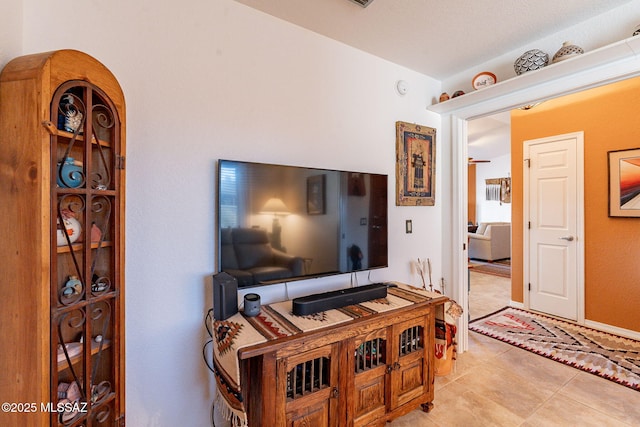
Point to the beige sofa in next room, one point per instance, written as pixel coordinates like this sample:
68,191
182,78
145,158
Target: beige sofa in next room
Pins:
491,241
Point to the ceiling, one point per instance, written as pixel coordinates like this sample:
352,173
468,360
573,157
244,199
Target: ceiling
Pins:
489,137
434,37
440,38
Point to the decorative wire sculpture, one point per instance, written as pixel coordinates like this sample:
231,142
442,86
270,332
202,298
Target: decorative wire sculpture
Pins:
71,107
76,205
74,320
102,120
100,205
100,391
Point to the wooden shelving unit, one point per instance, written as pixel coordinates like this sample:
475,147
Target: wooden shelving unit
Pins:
67,287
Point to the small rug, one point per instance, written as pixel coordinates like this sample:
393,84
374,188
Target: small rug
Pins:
606,355
494,269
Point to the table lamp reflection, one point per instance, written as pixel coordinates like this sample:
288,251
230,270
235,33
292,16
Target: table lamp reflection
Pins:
275,207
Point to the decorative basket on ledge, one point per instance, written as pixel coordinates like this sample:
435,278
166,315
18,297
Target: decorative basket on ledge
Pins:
567,51
531,60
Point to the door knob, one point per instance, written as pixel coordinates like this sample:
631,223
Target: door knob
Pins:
567,238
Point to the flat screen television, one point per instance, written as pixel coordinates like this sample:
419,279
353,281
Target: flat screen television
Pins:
279,223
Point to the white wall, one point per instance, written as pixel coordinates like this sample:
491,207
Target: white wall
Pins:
219,80
10,30
492,210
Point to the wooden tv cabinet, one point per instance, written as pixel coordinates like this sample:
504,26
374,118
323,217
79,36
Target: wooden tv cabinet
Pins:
363,372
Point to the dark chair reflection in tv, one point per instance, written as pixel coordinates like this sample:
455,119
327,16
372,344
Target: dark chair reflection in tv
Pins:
247,255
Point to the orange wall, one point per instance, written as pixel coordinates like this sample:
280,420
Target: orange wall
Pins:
610,119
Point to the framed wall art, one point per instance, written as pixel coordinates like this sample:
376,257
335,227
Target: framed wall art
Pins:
624,183
316,195
498,189
415,165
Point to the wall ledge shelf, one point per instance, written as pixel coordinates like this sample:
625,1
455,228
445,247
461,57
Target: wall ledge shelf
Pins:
610,63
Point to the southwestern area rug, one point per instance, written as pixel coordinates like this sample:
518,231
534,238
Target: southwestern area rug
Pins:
606,355
494,269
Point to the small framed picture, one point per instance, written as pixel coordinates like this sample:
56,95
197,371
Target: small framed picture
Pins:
624,183
316,195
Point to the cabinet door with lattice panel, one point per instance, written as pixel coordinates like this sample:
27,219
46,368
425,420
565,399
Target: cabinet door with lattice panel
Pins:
411,355
308,384
85,262
367,357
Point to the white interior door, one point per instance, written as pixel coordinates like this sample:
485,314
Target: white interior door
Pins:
553,224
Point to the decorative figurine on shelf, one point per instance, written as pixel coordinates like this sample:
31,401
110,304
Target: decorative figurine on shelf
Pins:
99,283
69,395
70,173
444,97
483,79
72,287
71,226
70,116
96,233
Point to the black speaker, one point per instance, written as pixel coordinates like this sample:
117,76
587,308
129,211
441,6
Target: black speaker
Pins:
225,296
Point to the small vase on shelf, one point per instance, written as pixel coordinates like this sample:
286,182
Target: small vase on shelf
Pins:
69,173
71,226
533,59
568,50
73,286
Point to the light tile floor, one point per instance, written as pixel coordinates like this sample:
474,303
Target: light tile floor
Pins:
495,384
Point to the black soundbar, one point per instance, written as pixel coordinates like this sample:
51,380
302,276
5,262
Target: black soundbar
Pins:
315,303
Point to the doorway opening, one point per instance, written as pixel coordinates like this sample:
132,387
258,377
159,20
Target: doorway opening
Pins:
489,213
612,63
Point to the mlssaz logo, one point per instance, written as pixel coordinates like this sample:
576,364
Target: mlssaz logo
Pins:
62,407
